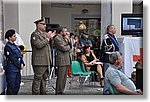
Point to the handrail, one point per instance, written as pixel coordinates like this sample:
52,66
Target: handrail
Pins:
27,51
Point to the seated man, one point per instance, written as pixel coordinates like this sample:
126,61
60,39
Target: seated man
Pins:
85,40
117,79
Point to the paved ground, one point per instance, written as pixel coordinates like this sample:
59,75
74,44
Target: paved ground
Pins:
75,89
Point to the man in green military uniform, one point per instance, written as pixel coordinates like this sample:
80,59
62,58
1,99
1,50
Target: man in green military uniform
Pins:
62,45
41,56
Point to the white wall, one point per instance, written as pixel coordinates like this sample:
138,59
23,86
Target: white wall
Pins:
10,16
28,13
62,16
119,7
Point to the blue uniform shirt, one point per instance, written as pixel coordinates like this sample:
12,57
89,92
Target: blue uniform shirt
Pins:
13,58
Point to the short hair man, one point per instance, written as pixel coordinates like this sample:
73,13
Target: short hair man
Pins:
85,40
110,43
117,79
62,45
41,56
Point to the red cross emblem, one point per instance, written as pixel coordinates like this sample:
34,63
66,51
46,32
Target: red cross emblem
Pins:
137,58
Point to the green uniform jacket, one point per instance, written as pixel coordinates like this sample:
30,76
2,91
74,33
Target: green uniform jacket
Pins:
41,51
63,51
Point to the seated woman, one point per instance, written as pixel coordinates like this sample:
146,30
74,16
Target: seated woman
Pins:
89,59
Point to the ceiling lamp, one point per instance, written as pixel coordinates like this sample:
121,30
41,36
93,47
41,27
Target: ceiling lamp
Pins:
82,26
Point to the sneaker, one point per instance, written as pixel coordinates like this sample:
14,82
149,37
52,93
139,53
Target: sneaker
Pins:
22,83
99,89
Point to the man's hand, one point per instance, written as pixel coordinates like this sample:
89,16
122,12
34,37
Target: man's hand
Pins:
139,91
78,50
67,36
51,34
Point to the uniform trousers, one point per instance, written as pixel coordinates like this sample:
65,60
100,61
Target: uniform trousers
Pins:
13,80
61,79
39,81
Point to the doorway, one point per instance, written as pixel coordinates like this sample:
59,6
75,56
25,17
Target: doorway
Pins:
90,24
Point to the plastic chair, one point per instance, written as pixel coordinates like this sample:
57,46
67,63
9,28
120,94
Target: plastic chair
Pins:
111,89
84,69
76,70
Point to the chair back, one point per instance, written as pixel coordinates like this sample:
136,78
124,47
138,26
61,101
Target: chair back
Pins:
76,68
83,67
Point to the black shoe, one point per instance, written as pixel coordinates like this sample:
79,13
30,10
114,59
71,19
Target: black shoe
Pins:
59,93
102,82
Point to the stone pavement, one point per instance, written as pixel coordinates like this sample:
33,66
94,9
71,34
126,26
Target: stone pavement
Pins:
75,89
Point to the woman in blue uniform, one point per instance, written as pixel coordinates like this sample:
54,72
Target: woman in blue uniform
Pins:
13,63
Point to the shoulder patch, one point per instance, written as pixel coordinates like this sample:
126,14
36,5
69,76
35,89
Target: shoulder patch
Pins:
7,53
33,38
106,36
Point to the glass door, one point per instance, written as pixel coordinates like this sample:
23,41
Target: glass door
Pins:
91,26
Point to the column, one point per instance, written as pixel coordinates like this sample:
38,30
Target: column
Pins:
106,15
119,7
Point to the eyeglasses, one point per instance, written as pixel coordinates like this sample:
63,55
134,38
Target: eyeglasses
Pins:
42,23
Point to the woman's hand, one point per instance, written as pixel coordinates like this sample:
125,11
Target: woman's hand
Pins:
22,66
93,62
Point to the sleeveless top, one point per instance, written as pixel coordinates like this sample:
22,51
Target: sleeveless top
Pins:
89,58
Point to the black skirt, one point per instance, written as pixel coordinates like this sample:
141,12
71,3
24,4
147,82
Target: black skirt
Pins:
93,68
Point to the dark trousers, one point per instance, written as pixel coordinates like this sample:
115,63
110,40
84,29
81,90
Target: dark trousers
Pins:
105,89
61,79
39,81
139,79
13,83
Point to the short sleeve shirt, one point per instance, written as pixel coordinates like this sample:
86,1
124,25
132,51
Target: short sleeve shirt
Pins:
85,42
116,77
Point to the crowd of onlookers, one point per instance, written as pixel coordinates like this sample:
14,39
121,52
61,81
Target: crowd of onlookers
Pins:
69,47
